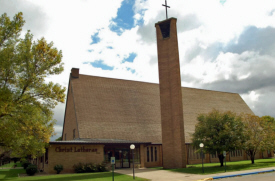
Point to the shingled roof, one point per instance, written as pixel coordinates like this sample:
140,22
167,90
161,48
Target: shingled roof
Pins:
106,108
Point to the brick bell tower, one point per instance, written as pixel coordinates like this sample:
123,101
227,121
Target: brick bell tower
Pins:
173,139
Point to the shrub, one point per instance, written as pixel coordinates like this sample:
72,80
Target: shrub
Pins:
25,164
90,167
58,168
101,167
31,169
79,168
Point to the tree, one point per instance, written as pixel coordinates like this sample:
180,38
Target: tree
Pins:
59,138
259,133
218,131
269,120
26,99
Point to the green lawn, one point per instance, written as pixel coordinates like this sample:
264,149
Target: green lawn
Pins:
12,174
11,164
211,168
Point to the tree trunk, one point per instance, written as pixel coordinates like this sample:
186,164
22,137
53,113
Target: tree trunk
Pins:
221,157
252,158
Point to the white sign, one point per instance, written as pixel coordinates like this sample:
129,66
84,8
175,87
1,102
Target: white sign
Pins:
224,153
113,160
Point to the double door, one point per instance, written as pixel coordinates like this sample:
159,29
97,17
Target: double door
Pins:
122,158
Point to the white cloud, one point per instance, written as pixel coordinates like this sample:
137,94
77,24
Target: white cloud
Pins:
205,31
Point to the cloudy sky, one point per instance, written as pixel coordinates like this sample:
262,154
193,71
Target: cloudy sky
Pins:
224,45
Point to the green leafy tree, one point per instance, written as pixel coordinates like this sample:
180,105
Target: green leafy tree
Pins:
26,99
219,131
270,121
59,138
260,134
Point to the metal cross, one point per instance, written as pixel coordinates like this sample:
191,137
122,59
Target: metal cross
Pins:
166,8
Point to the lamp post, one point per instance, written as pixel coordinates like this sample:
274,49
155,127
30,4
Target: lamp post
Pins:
132,147
201,146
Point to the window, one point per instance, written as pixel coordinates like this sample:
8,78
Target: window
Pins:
148,154
46,155
152,157
214,155
74,134
65,136
236,153
156,157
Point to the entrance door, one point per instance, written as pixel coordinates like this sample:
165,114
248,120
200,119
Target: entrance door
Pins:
122,158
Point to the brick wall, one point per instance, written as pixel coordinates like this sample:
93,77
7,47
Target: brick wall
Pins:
73,155
155,156
173,140
70,123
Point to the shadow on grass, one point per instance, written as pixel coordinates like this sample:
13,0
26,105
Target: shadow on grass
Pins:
12,174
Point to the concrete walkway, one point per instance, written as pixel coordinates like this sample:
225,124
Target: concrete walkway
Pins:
163,175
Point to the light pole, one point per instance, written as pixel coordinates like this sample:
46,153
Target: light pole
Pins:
201,146
132,147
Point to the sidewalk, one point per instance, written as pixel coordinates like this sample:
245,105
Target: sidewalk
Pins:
163,175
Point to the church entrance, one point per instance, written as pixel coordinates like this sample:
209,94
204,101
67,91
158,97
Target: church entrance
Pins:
122,156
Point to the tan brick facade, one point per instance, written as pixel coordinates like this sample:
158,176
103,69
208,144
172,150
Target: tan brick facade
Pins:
153,156
70,127
68,155
173,139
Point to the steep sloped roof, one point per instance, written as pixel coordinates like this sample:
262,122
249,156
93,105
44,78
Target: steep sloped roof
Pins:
129,110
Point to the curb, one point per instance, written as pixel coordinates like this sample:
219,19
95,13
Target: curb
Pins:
236,175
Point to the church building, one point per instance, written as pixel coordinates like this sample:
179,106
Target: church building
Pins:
104,116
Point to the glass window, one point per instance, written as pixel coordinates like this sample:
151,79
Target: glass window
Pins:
46,155
156,154
148,154
152,152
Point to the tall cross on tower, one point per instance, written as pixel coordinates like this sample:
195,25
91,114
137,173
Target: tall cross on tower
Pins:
166,8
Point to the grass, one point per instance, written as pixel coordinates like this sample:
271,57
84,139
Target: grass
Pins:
12,174
212,168
11,164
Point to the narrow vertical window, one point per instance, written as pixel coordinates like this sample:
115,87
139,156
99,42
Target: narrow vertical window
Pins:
74,134
65,136
147,154
152,152
46,155
156,154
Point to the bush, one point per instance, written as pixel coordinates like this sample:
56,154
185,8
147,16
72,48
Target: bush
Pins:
79,168
31,169
25,164
89,167
101,167
58,168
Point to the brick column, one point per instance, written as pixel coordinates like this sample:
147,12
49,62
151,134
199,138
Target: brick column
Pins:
173,140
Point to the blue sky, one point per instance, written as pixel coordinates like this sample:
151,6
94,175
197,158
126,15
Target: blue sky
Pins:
124,20
223,45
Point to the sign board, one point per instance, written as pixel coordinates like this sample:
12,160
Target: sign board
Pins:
224,153
113,160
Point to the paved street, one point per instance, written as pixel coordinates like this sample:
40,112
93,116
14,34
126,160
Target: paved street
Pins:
163,175
258,177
